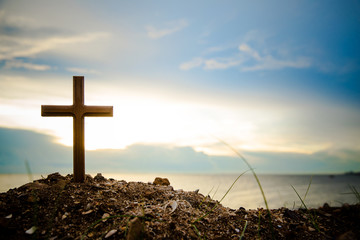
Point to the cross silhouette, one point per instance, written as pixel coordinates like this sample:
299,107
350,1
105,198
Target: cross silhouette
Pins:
78,111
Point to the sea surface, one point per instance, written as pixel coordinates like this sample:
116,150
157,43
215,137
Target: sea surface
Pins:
331,189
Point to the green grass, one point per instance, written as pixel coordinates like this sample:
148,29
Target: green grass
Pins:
244,229
257,180
307,190
355,192
28,170
312,217
217,204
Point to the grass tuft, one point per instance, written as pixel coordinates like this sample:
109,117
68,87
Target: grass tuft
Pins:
217,204
257,180
243,231
355,192
312,218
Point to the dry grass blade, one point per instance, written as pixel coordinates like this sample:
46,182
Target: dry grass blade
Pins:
257,180
311,216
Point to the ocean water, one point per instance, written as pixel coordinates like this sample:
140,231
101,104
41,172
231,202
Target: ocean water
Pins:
333,190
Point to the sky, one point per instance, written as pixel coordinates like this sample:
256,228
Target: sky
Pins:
279,81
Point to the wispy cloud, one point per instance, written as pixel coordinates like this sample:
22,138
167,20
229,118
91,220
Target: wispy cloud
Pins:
246,58
170,28
30,66
269,62
82,70
221,63
196,62
24,37
211,63
14,47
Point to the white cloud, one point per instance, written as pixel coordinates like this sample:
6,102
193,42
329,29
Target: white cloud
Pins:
221,63
212,63
195,62
268,62
82,70
248,58
171,28
247,49
14,47
30,66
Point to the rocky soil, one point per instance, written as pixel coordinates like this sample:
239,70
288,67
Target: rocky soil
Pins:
57,208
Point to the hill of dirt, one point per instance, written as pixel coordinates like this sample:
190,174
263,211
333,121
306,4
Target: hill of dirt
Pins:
58,208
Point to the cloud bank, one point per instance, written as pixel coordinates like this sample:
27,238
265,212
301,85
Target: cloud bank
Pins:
45,156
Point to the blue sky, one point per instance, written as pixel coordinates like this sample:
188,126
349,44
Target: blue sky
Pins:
279,81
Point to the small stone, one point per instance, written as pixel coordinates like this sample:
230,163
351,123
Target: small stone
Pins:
35,186
55,176
311,229
326,206
87,212
135,229
347,236
106,215
346,205
161,181
9,216
88,206
31,230
60,184
33,199
148,193
110,233
99,178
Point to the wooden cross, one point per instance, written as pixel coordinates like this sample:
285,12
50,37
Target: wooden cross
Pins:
78,111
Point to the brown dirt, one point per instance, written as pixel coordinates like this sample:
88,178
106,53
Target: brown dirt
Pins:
57,208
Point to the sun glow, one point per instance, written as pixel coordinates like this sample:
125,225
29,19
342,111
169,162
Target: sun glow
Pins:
143,119
153,121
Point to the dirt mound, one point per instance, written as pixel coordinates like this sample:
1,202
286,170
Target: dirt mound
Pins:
58,208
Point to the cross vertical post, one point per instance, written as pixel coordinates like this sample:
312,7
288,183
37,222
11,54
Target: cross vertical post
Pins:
79,129
78,111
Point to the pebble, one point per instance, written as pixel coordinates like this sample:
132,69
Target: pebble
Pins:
85,213
88,206
9,216
65,215
31,230
106,215
99,177
161,181
110,233
135,229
